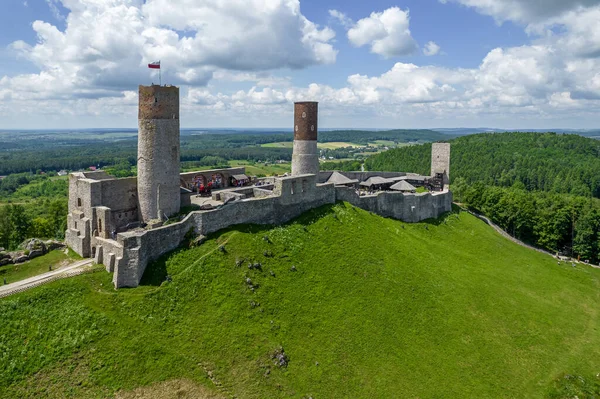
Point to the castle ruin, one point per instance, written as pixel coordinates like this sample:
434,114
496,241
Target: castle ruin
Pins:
119,222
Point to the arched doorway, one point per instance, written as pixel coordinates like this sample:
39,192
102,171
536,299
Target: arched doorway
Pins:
218,180
197,181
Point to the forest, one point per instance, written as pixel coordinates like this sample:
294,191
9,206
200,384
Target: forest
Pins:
32,205
542,188
43,154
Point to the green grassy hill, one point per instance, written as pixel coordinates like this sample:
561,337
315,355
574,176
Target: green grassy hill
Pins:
364,307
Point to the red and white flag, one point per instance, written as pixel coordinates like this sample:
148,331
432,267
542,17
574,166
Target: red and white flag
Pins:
154,65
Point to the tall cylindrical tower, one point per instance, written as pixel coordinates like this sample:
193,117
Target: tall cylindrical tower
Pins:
158,152
305,158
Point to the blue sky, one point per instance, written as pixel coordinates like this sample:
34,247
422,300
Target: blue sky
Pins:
242,63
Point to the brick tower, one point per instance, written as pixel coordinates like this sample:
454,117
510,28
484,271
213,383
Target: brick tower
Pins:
305,158
158,152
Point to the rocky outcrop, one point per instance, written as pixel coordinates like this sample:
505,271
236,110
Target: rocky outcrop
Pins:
31,249
5,259
21,258
51,245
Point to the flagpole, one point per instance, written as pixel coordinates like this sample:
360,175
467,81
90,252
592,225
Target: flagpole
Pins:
159,74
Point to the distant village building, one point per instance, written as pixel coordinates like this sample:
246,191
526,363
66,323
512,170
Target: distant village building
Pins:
62,173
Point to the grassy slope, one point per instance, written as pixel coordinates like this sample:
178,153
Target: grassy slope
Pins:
387,309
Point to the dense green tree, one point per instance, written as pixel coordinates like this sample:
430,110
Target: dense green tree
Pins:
586,238
5,227
19,225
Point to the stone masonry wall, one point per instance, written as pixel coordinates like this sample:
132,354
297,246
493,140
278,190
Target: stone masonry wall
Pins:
407,207
440,160
294,196
291,197
158,152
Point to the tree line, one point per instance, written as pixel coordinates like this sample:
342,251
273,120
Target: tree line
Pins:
560,163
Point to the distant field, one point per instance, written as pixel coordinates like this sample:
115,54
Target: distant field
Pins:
336,144
263,169
326,146
284,144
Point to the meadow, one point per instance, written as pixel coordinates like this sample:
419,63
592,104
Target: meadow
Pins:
361,306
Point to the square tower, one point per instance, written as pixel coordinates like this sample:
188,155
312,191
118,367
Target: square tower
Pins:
440,161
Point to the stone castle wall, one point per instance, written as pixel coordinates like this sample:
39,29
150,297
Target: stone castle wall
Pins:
187,179
291,197
407,207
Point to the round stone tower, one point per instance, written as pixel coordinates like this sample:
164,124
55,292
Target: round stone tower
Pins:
305,158
158,152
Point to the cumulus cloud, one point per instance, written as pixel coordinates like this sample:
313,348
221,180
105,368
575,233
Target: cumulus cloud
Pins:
431,48
525,11
387,33
553,78
107,43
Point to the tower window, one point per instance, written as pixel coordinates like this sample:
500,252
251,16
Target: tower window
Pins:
78,201
155,100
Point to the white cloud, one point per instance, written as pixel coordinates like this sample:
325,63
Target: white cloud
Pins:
386,32
341,18
229,76
106,44
525,11
431,48
52,4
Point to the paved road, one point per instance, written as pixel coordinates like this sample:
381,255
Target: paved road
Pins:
72,270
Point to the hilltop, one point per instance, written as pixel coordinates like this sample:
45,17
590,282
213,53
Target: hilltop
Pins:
361,306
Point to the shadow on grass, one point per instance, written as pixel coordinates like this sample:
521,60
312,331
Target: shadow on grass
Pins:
444,217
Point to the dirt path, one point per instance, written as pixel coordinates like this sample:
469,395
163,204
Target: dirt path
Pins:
69,271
